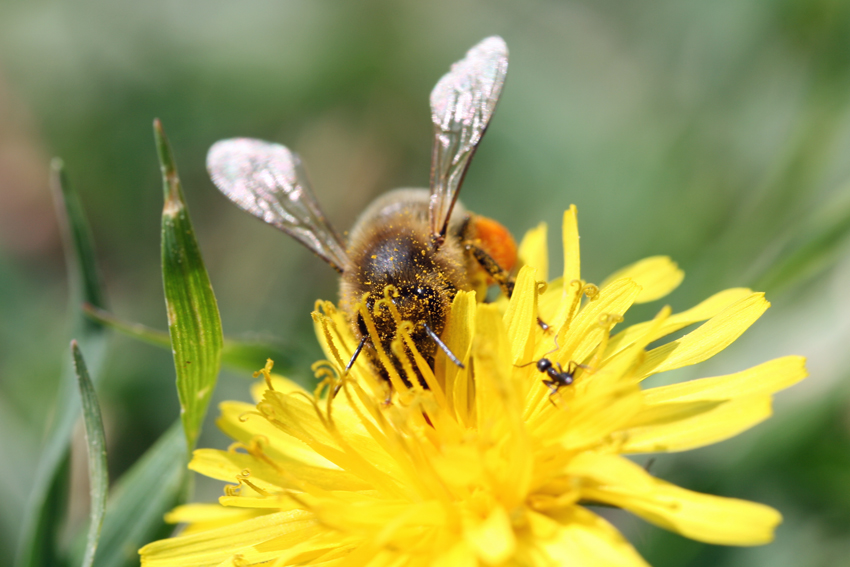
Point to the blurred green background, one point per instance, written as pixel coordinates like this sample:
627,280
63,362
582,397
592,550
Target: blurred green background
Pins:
714,132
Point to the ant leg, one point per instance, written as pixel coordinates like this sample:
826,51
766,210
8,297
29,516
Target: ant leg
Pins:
553,387
573,366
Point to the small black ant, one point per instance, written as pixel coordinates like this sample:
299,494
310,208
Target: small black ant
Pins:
557,377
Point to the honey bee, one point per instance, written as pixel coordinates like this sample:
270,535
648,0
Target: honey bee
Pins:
422,242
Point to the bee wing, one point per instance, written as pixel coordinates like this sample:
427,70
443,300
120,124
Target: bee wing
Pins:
461,106
267,180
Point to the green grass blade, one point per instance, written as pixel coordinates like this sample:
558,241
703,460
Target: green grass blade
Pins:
37,545
96,442
193,320
134,515
136,330
239,354
814,248
83,275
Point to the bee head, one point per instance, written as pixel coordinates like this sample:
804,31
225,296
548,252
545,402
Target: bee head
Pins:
421,304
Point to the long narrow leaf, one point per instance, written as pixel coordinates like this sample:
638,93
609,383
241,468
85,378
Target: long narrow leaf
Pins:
193,320
96,441
136,330
240,354
813,248
45,509
154,485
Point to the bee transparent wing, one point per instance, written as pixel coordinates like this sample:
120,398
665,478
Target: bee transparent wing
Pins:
461,106
267,180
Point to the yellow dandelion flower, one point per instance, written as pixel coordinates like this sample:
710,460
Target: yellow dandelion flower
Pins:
488,466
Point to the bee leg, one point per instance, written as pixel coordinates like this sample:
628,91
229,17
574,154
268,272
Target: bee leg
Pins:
356,354
434,337
495,271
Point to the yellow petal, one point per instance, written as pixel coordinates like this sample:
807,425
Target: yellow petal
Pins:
657,276
499,402
587,328
521,317
202,517
241,422
225,466
193,513
579,538
492,361
458,337
279,384
458,465
533,251
215,546
725,420
349,444
327,545
596,414
228,465
287,443
493,539
458,555
672,412
617,481
766,378
707,340
572,259
550,302
705,310
611,382
572,268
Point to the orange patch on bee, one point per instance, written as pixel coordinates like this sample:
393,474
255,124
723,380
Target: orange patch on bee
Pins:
496,240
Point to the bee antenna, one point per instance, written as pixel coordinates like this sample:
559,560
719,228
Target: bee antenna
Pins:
451,356
355,355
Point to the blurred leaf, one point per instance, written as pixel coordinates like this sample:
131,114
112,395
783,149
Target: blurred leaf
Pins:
136,330
83,275
193,320
236,353
816,248
96,441
251,354
134,515
45,508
